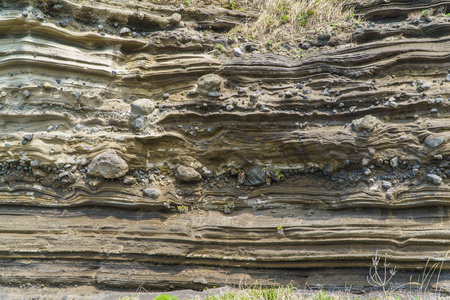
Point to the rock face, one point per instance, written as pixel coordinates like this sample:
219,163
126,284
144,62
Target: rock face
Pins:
108,165
343,148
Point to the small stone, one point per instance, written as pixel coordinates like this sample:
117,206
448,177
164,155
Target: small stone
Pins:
238,52
367,171
352,109
255,175
434,141
142,107
77,95
346,162
390,194
151,192
328,170
47,86
447,78
423,87
208,83
368,122
34,163
24,14
281,94
229,107
366,161
78,127
214,94
140,122
394,162
26,94
28,136
288,94
129,180
63,23
306,91
187,174
434,179
108,165
325,33
434,110
325,92
166,95
299,86
386,185
125,31
253,99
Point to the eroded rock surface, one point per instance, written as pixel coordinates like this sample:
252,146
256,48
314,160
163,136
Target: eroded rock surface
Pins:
344,146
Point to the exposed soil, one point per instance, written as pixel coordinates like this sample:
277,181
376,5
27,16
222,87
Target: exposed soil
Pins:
295,164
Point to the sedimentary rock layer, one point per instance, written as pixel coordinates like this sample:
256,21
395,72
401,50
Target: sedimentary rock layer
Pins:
292,169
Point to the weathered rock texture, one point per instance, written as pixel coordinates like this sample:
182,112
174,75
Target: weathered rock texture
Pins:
270,148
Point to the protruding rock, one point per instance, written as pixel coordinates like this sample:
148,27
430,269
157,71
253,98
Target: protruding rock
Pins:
238,52
390,194
368,122
386,185
152,192
125,31
434,141
47,86
187,174
108,165
208,83
142,107
325,33
175,18
26,94
434,179
394,162
255,175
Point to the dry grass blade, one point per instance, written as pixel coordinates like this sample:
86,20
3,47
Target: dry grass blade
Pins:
281,19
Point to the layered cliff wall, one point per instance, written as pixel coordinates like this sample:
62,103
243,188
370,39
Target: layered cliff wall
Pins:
272,167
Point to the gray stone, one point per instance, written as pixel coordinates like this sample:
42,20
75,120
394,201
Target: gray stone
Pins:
130,180
325,33
214,94
434,179
28,136
394,162
447,78
434,141
238,52
140,122
26,94
125,31
152,192
166,95
386,185
142,107
208,83
390,194
368,122
77,95
108,165
255,175
34,163
187,174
